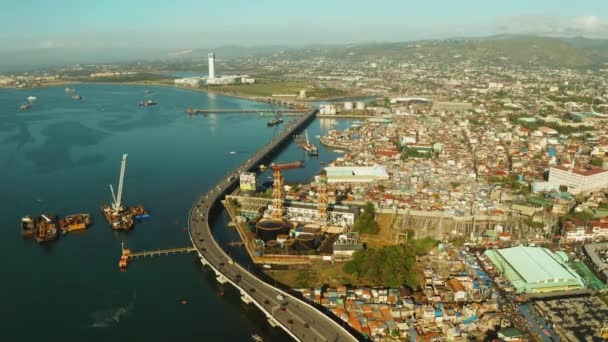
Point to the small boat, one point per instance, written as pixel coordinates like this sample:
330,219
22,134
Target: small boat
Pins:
147,103
264,114
28,226
25,106
139,212
31,98
77,97
274,122
256,337
70,90
148,91
232,152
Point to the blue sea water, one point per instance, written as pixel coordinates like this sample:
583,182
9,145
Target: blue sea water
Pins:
60,156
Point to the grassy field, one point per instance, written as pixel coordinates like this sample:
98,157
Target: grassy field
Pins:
322,274
383,237
268,88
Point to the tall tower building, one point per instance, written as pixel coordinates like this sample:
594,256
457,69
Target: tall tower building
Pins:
211,56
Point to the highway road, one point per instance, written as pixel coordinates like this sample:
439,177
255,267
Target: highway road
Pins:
299,319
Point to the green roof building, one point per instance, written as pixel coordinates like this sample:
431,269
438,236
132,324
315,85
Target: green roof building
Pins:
535,269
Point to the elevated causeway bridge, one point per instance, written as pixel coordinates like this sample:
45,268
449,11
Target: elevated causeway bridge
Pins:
299,319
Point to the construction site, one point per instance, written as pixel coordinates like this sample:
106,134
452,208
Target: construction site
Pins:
119,216
279,231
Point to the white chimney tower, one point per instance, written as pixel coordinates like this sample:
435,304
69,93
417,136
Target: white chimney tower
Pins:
211,56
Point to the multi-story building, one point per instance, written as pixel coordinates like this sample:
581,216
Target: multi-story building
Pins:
579,180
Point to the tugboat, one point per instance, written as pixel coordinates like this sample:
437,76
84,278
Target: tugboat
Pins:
147,103
28,226
75,222
46,228
139,212
274,122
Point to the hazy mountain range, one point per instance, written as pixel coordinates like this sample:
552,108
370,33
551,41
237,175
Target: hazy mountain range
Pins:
519,50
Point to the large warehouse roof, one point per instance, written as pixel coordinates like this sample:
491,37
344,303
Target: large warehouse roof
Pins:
534,269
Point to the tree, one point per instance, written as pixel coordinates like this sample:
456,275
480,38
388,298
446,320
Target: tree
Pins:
366,223
391,266
597,161
305,278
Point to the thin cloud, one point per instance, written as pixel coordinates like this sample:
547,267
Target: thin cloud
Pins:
588,26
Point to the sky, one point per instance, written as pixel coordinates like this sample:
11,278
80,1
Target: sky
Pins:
184,24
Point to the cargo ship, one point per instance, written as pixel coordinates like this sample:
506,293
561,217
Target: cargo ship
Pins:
74,222
139,212
28,227
285,166
147,103
274,122
46,228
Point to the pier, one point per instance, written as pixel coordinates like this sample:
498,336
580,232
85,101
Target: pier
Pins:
299,319
291,112
158,252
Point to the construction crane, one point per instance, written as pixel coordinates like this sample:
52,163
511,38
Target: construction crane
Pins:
117,200
277,186
322,200
116,213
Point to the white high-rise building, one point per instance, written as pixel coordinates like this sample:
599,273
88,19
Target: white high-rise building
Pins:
211,56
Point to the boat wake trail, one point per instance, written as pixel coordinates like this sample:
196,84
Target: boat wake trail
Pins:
106,318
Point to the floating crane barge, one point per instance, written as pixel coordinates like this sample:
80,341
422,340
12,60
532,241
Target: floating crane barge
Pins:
118,215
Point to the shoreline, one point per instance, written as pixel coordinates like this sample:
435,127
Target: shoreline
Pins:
307,102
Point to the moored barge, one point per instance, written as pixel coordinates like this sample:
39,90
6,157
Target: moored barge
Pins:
28,227
46,228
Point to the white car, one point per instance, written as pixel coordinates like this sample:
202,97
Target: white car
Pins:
280,297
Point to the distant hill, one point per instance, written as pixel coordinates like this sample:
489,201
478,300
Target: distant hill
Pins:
518,50
527,51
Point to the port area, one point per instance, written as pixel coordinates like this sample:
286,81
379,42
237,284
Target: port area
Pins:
127,256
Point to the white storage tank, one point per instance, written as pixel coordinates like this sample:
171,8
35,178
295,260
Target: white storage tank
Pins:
348,105
360,105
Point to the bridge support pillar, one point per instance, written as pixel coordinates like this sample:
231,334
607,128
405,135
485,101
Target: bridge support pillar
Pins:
221,279
203,260
246,298
272,321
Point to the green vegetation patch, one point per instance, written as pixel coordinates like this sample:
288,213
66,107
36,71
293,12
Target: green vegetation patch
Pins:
366,223
587,274
391,266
